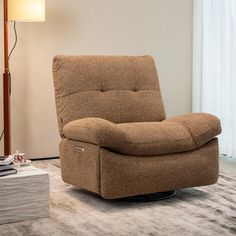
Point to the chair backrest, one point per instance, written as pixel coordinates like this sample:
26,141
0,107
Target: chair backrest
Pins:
116,88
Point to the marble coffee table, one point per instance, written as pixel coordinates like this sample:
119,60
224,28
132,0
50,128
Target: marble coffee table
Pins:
24,196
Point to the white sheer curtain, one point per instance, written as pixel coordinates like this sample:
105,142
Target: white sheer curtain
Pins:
214,65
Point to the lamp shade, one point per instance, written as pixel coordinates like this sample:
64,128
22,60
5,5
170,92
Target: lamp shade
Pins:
26,10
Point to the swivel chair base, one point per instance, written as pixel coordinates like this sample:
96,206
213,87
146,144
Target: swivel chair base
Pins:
149,197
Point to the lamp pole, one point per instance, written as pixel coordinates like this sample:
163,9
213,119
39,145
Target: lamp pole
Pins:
6,87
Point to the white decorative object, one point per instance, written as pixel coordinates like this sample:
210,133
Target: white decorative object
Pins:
24,196
19,157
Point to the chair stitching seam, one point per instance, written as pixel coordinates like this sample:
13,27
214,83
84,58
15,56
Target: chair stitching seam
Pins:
187,128
97,90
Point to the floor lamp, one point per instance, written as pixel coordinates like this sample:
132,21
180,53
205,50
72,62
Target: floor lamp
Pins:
17,11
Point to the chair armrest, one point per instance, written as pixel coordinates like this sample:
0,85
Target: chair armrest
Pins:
94,130
202,126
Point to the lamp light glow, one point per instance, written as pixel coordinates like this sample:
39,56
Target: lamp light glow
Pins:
26,10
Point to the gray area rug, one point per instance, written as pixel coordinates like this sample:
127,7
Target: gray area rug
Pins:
199,211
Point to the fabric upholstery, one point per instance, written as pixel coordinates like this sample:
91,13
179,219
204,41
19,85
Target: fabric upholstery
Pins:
113,175
178,134
116,140
116,88
80,168
201,126
158,173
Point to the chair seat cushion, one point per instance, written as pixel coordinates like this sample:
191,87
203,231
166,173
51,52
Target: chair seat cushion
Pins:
178,134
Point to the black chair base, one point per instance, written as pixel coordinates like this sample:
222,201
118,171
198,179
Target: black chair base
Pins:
149,197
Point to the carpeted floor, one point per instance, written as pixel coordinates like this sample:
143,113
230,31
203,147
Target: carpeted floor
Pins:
198,211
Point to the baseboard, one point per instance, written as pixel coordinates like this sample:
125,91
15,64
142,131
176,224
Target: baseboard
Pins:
42,158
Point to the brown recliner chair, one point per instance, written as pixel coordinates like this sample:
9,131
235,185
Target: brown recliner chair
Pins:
116,140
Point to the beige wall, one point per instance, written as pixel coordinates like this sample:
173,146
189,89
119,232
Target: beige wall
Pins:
162,28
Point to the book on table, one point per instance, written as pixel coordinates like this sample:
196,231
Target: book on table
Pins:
7,172
7,166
